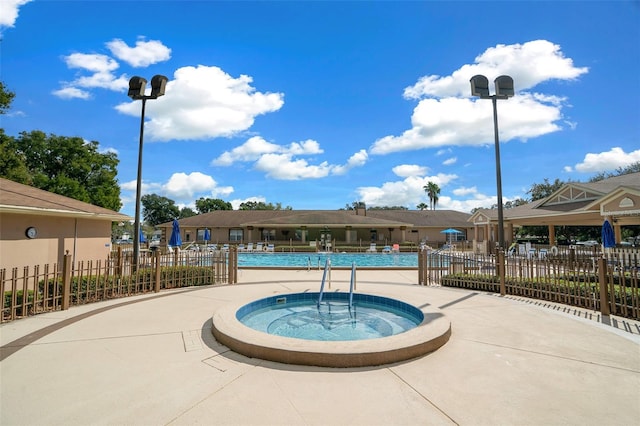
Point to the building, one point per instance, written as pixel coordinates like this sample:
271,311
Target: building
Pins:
303,227
574,204
38,227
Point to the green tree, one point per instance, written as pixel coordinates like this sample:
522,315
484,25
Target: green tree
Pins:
12,163
539,191
186,212
631,168
157,209
433,191
68,166
206,205
261,205
6,98
422,206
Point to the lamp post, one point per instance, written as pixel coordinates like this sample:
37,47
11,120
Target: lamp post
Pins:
504,90
137,86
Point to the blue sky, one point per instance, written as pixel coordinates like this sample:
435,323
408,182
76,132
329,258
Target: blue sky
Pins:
316,105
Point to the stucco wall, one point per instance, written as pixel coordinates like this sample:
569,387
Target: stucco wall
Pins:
84,239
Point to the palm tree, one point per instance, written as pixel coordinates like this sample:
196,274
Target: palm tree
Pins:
432,190
422,206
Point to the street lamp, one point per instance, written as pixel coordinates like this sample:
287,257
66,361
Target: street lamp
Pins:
137,86
504,90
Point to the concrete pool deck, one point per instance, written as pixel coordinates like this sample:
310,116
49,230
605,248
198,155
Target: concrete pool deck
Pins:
150,360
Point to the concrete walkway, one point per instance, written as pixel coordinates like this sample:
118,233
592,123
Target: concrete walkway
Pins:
151,360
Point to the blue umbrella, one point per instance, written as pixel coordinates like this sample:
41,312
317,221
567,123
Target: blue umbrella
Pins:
608,237
142,237
450,231
176,239
207,236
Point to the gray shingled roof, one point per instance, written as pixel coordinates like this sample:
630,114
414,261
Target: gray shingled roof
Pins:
18,198
372,219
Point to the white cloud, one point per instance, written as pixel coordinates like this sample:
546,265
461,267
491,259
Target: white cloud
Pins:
529,64
71,93
281,162
408,192
204,102
605,161
182,188
101,69
407,170
358,159
450,161
9,11
445,114
145,53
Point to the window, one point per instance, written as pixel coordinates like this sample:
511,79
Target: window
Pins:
235,235
268,234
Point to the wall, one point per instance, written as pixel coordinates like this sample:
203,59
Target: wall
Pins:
84,239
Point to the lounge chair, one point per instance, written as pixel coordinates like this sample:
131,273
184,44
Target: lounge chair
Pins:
250,247
241,247
372,248
271,248
386,249
258,247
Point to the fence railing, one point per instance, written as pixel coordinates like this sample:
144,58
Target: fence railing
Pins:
606,282
38,289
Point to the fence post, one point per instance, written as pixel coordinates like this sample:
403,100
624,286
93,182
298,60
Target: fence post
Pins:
156,284
602,279
66,281
501,271
421,273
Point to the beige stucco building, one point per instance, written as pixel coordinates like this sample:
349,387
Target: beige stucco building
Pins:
348,227
574,204
38,227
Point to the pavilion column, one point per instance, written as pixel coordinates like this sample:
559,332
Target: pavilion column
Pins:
403,233
552,235
347,235
509,234
617,232
475,232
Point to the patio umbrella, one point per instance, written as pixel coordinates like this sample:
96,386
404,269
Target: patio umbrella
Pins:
142,237
207,235
176,239
450,232
608,237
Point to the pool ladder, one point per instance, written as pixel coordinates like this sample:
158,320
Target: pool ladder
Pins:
327,274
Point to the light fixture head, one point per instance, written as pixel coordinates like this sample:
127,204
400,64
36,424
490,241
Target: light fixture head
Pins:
480,86
504,86
158,85
136,87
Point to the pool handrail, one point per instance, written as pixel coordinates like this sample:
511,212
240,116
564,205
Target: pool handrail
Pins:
327,268
352,286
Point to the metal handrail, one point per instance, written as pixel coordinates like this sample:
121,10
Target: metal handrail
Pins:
352,286
327,268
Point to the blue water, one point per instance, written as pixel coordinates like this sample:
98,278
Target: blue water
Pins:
315,260
299,316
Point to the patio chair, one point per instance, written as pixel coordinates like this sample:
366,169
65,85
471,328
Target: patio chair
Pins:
258,247
250,247
372,248
271,248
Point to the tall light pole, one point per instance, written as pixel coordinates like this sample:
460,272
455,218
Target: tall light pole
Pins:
137,86
504,90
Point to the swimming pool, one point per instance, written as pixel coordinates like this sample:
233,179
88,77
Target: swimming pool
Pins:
302,316
317,260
